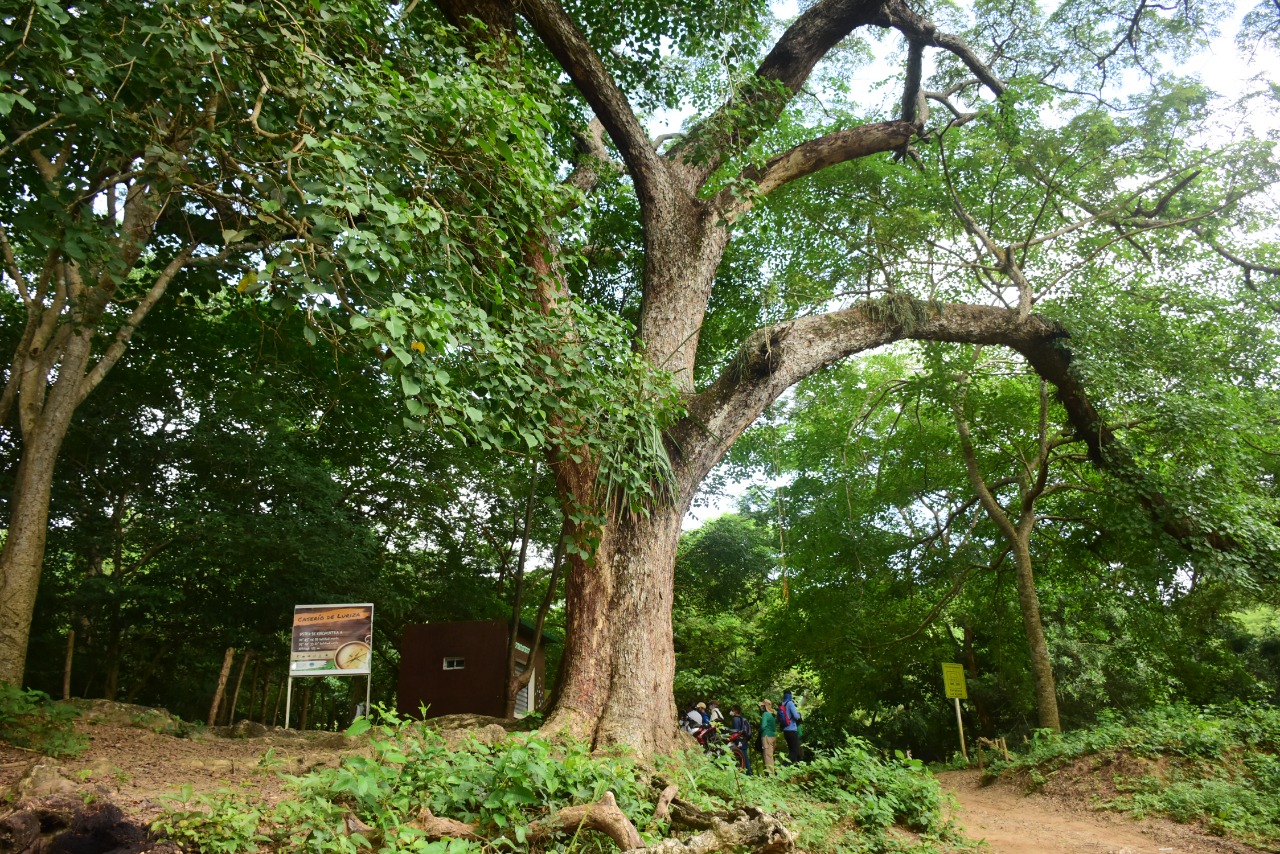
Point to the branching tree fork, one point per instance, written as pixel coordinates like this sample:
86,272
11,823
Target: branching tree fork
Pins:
617,676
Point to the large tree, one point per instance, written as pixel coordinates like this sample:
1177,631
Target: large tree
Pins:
329,157
862,242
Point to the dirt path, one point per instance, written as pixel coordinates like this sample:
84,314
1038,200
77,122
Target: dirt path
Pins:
1014,823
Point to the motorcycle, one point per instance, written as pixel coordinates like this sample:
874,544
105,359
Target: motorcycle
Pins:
708,737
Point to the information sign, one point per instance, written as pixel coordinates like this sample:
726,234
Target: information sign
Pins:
331,640
953,682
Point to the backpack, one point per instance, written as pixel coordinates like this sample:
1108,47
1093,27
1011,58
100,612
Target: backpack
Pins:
784,716
745,729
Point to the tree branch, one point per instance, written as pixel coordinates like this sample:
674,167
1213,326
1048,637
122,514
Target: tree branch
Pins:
901,17
583,65
777,79
813,156
996,513
120,341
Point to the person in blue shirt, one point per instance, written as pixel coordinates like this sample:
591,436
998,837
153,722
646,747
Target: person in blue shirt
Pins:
740,737
789,720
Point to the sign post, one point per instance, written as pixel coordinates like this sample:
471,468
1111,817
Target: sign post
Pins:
331,640
956,689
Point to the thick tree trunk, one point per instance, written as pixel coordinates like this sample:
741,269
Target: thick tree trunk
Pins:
616,683
1041,665
43,430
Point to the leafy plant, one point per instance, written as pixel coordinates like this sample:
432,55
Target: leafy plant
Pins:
844,801
32,719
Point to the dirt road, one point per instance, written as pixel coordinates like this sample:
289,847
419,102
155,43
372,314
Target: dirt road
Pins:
1014,823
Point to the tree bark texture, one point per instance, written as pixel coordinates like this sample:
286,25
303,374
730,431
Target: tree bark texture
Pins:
44,427
619,661
1041,664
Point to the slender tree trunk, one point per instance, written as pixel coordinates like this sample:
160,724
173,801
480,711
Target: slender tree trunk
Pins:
147,673
222,685
66,672
1041,665
971,661
253,688
280,692
511,678
306,701
235,696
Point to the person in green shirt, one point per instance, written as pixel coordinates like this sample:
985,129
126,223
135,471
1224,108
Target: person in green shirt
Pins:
768,733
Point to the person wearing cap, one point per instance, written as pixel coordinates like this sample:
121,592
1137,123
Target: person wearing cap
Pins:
702,711
768,733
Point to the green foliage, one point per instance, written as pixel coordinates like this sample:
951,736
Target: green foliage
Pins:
501,789
845,801
1219,766
32,719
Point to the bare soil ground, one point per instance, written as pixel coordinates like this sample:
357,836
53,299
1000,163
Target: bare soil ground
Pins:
1014,822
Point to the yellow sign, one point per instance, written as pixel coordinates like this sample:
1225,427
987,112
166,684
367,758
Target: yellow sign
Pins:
953,682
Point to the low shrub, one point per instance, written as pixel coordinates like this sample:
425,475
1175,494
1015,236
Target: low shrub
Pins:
33,720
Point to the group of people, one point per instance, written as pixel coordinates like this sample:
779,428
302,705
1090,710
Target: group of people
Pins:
705,720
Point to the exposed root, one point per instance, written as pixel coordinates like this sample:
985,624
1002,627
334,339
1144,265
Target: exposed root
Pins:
747,829
603,816
662,809
438,828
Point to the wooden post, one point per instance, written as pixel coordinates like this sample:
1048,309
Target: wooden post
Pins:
222,684
66,672
306,702
235,696
252,705
960,723
275,710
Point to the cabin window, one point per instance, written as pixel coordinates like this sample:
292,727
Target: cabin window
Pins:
454,663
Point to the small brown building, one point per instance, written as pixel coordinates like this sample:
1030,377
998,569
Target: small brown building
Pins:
454,668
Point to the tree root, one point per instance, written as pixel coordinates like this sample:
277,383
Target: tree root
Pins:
603,816
746,829
662,810
438,828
